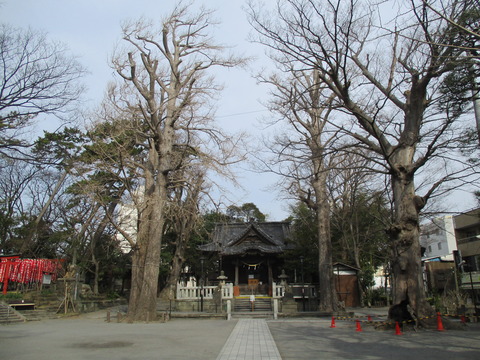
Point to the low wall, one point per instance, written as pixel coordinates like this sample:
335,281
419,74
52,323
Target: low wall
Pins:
84,305
209,306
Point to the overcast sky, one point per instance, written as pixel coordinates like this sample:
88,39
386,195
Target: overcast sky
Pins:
91,29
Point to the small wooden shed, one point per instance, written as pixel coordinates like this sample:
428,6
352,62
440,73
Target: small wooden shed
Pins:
346,284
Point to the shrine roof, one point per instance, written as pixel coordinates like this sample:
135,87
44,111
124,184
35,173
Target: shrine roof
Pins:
237,238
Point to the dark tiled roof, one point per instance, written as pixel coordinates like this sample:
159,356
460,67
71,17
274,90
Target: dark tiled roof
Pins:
237,238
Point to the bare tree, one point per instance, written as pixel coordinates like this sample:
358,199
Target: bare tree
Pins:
37,76
183,218
303,157
162,117
14,183
360,215
385,75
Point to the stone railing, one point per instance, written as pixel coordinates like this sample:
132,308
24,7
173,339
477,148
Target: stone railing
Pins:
195,292
227,291
278,291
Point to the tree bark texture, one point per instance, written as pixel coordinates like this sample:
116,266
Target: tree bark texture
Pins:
146,256
407,271
328,302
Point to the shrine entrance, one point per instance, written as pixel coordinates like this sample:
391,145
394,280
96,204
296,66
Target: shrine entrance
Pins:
249,254
251,274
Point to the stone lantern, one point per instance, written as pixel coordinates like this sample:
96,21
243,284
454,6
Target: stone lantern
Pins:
221,278
283,278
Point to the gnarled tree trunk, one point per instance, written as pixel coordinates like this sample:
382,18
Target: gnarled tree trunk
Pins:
404,234
146,254
328,301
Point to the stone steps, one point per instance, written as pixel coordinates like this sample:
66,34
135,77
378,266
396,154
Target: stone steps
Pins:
39,314
252,315
9,315
261,304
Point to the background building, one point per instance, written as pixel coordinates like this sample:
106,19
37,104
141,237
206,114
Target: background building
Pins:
438,238
467,232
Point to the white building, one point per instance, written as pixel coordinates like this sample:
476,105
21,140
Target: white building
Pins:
127,220
438,237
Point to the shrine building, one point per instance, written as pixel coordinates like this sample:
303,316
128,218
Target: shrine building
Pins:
248,254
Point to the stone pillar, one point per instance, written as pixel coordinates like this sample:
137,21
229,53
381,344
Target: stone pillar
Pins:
229,309
275,309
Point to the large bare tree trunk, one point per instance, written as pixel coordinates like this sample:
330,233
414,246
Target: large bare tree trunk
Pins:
406,258
327,298
143,294
146,256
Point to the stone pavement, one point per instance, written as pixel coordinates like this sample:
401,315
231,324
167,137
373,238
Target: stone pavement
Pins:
91,337
250,339
306,339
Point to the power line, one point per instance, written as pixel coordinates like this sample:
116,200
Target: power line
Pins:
242,113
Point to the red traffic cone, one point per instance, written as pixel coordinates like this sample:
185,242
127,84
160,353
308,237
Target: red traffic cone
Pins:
439,322
359,327
397,329
333,322
369,318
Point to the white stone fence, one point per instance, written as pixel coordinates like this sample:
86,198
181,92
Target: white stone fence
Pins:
195,292
278,291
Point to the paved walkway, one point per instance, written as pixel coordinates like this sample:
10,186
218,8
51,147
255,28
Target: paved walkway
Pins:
91,337
250,339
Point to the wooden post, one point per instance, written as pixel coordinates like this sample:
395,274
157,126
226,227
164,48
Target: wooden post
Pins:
236,273
270,273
